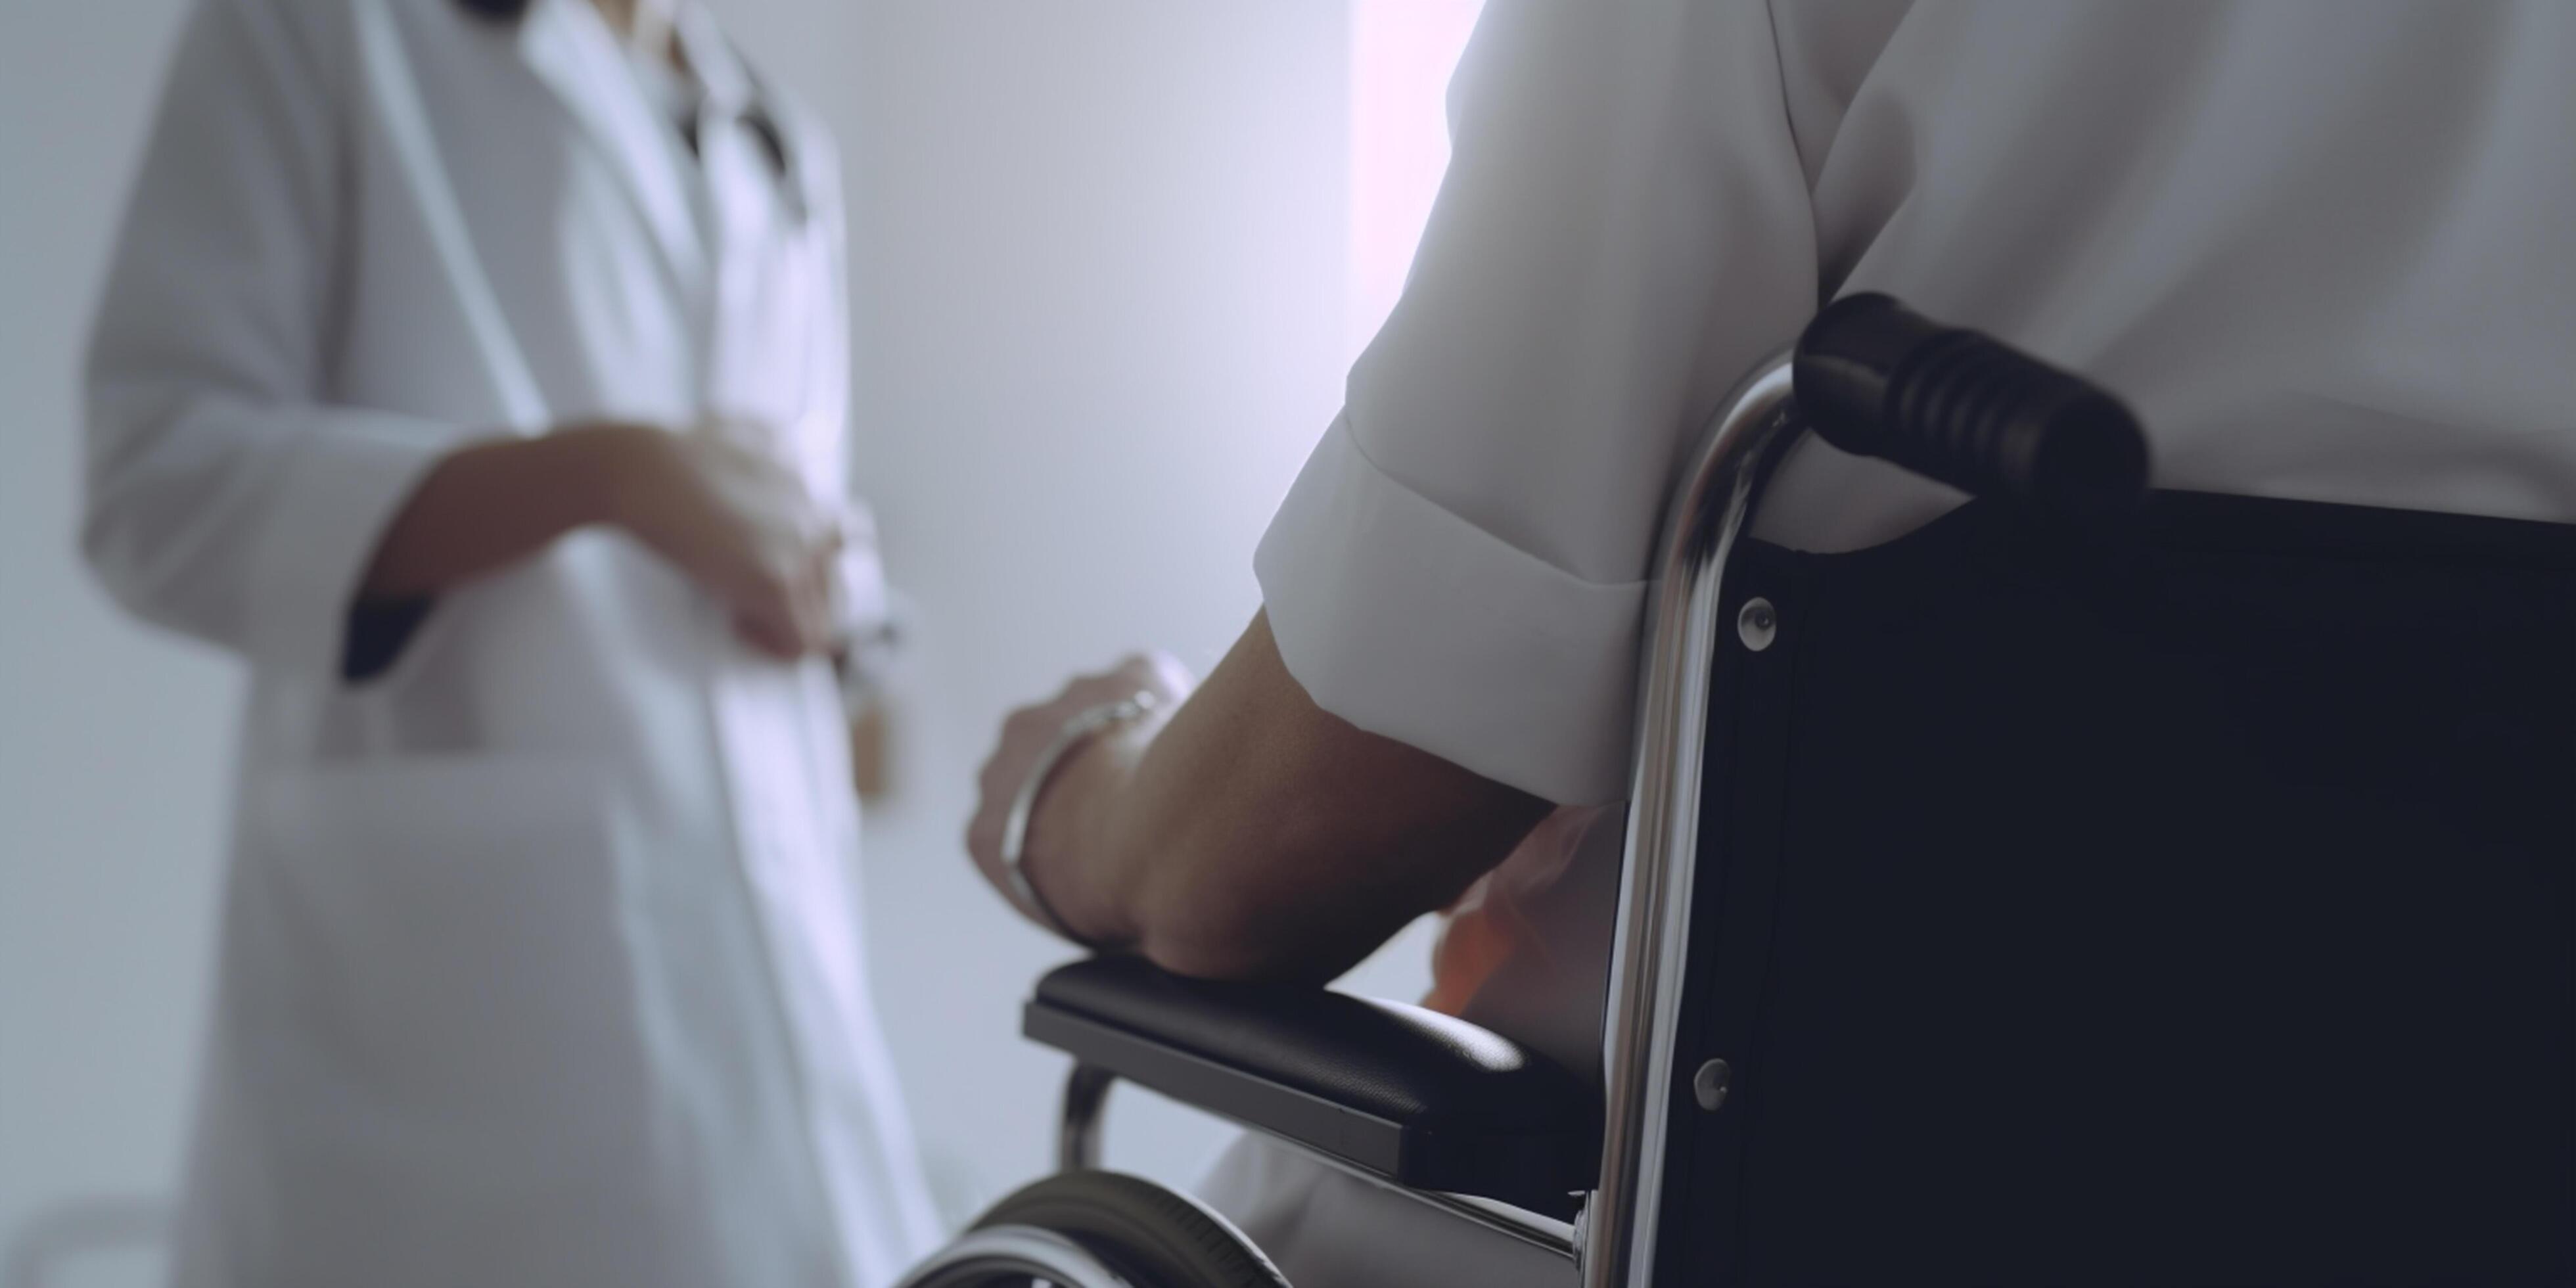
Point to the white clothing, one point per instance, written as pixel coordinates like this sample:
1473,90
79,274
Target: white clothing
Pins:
2326,251
2322,249
540,951
675,93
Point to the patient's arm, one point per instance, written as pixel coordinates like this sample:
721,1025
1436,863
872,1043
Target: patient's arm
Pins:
1250,833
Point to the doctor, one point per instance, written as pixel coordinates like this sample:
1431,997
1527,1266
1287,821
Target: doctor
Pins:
477,374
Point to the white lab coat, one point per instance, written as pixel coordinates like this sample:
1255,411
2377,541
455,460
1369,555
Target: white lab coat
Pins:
540,953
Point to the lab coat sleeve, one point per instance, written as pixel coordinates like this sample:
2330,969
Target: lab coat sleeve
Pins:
1624,228
225,499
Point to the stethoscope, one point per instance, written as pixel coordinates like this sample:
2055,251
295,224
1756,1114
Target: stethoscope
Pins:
755,115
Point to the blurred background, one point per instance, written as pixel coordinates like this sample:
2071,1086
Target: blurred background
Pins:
1097,248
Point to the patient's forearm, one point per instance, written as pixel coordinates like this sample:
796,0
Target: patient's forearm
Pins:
1259,836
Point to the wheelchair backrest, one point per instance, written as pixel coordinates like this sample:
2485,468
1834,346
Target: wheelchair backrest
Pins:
2194,903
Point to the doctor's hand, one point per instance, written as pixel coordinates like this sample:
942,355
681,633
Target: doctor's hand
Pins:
725,507
1080,784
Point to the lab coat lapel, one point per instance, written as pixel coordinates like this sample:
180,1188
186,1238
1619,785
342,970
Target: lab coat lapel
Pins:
570,48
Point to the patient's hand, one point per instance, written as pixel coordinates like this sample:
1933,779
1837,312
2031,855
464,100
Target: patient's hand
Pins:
1246,833
1082,781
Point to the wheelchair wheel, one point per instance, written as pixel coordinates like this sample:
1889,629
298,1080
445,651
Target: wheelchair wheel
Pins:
1152,1237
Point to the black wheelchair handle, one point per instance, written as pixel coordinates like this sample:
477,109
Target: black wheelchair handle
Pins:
1878,379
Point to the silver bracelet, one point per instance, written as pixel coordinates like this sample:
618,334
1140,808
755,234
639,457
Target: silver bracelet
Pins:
1015,825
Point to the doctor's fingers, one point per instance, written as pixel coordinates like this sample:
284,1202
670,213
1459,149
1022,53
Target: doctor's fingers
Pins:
767,636
775,452
818,596
766,616
783,602
784,634
766,463
748,433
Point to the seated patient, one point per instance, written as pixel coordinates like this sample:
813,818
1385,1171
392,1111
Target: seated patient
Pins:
2327,252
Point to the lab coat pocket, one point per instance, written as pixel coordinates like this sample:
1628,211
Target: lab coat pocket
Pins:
451,973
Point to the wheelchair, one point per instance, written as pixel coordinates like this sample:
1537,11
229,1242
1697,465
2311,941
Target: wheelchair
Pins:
2096,886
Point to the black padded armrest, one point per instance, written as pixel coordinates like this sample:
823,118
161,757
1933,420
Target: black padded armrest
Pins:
1422,1099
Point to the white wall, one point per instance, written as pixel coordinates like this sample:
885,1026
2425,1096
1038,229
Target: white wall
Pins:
1100,260
1102,249
110,738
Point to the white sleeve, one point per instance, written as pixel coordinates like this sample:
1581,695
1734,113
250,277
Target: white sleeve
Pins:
1623,230
224,500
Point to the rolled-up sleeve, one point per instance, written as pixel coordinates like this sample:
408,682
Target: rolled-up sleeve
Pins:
1623,230
226,499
